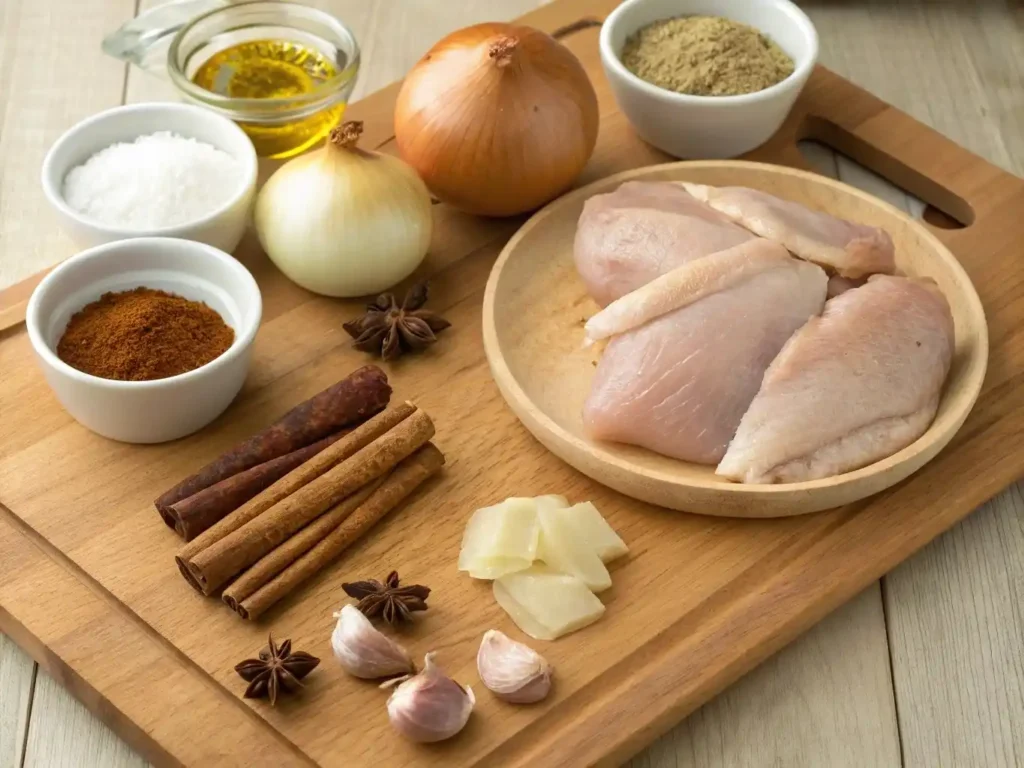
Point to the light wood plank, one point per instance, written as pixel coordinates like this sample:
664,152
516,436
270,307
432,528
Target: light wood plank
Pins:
402,32
64,734
955,610
959,67
956,621
52,74
826,700
17,673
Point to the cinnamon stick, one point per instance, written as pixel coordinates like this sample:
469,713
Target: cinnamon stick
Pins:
201,510
268,566
218,563
354,441
351,400
402,481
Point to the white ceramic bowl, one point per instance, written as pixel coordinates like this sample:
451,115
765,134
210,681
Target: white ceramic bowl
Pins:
708,127
222,228
162,409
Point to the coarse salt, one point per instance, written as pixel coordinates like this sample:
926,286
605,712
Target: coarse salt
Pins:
159,180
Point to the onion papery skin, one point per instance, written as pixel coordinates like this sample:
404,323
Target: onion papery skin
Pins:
497,135
343,222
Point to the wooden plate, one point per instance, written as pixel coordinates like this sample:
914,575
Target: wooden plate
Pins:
535,305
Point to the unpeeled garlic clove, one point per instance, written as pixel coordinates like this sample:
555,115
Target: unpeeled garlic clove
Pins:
430,706
511,670
363,650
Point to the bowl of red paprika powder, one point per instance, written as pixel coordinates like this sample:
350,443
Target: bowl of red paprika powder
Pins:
148,339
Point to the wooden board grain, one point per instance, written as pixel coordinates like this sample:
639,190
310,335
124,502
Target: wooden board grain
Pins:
118,667
740,592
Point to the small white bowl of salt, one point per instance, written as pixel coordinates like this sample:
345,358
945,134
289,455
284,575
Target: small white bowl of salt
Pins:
160,169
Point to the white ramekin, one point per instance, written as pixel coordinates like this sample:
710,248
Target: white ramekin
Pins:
162,409
222,228
708,127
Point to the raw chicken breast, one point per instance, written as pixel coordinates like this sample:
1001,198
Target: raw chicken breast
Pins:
849,249
837,285
679,384
628,237
684,285
851,387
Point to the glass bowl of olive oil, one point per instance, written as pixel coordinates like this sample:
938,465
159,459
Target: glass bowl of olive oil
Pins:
284,72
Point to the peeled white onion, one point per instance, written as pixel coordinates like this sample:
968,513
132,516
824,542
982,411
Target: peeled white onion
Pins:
345,222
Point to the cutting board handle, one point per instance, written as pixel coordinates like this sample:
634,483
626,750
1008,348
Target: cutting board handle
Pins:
899,148
927,177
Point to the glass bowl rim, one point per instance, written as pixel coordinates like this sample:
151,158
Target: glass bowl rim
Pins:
326,92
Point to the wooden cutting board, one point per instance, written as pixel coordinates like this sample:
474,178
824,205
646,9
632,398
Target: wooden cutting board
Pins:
88,586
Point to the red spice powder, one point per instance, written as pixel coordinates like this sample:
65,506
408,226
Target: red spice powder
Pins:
143,334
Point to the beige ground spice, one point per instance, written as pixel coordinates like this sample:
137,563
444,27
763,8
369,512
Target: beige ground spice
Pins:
705,56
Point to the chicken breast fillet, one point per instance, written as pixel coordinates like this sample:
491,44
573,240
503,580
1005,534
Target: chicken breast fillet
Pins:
851,387
685,285
628,237
680,384
845,247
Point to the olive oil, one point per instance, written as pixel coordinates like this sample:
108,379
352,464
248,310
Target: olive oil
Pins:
274,69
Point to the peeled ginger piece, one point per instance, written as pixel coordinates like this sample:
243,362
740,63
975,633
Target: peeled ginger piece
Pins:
500,539
552,501
563,547
594,530
546,604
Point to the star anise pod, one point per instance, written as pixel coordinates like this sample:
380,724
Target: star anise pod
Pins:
390,601
276,670
389,329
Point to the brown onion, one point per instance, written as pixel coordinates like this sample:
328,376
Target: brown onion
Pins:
497,119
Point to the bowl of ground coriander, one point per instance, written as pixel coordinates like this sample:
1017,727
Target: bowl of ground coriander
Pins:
145,340
707,79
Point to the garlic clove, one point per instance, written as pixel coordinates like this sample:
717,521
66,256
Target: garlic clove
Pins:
430,706
363,650
511,670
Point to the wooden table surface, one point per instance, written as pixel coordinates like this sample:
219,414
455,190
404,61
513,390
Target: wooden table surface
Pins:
924,668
